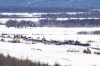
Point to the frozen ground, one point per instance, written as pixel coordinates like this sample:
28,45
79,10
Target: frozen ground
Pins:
50,54
53,53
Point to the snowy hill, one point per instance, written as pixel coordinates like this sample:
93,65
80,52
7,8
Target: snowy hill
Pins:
52,3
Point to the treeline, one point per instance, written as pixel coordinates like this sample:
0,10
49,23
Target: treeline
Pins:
39,9
92,14
89,32
55,23
9,16
10,61
20,24
70,23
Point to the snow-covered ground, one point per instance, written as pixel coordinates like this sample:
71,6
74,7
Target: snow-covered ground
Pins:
4,20
50,54
60,34
35,17
53,53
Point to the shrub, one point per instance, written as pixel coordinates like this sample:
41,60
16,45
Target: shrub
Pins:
10,61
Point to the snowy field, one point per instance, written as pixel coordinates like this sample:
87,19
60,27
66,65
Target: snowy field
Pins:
53,53
50,54
36,17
